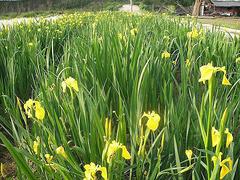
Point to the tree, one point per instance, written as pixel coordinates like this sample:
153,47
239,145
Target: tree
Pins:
196,7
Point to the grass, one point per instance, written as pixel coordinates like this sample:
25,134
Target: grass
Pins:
228,22
133,104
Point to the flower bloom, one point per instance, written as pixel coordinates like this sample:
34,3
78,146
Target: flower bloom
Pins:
70,83
36,144
229,137
91,170
113,147
226,164
224,168
153,120
166,55
133,31
48,158
194,34
208,70
189,154
60,150
215,158
215,137
36,106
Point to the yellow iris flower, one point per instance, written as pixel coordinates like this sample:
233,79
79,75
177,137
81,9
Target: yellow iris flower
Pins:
194,34
229,137
36,106
189,154
115,146
28,107
60,150
48,158
215,158
91,170
215,137
208,70
153,120
71,83
225,81
224,168
39,111
133,31
166,55
36,144
226,164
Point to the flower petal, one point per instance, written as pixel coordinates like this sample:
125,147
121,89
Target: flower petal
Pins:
225,81
206,72
125,153
152,124
103,172
215,137
189,154
224,171
229,138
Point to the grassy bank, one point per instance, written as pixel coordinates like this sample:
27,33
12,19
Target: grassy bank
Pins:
228,22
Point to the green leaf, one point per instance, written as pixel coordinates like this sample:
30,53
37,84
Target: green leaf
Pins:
20,161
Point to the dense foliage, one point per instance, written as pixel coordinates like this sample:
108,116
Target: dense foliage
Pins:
159,2
120,96
31,5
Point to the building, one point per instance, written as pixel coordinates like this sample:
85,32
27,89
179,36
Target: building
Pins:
226,7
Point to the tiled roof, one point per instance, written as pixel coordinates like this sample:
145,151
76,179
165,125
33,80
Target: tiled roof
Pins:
226,3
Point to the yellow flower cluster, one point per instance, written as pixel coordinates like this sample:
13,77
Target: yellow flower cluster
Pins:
60,150
207,71
91,171
216,138
115,146
31,106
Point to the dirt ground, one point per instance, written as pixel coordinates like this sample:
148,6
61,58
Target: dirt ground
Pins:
7,165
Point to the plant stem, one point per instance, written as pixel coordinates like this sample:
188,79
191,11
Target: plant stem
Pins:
209,123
